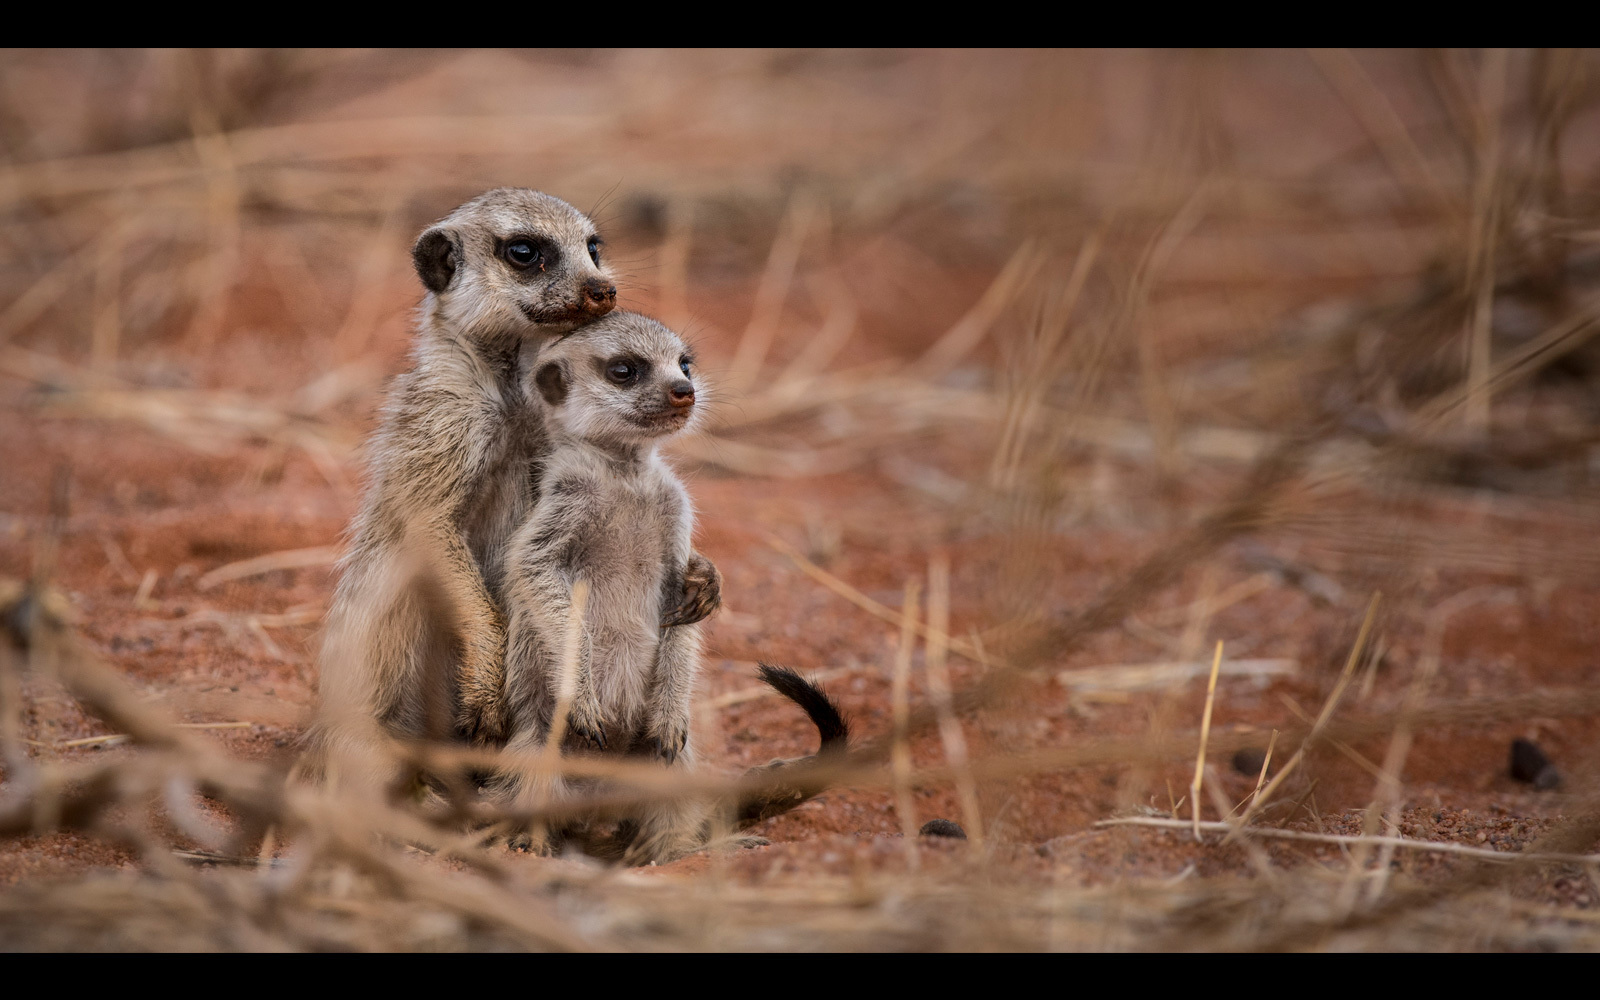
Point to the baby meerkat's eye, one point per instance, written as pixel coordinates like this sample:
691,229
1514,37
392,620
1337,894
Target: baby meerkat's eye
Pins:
683,365
621,372
594,250
524,254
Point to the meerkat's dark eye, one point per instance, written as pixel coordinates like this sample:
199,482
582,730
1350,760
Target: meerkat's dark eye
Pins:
683,365
594,250
621,372
523,254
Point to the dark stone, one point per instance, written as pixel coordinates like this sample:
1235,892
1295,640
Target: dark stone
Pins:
1529,764
942,828
1248,761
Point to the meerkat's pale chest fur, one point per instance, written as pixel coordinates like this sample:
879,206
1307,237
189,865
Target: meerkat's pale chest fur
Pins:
623,526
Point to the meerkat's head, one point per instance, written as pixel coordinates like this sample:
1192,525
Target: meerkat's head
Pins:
623,380
512,260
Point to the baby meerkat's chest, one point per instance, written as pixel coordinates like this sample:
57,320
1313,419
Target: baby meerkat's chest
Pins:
635,526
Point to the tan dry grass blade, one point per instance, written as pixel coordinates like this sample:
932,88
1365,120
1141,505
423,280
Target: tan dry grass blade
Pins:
319,555
1205,734
955,742
968,331
1484,853
900,706
1155,676
868,605
772,290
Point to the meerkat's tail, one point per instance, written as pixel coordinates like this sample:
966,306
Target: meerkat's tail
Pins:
824,714
833,730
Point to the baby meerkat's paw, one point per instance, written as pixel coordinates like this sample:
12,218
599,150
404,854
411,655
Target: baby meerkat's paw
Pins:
667,741
702,593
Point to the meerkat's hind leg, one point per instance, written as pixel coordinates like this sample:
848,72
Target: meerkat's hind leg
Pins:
522,794
669,829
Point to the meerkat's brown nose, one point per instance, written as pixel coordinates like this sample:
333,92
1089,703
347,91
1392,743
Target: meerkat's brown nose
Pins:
599,296
681,393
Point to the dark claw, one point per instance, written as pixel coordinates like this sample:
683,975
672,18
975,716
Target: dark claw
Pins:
595,736
665,753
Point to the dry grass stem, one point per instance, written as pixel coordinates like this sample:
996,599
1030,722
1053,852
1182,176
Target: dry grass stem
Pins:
1485,853
1266,762
955,742
320,555
567,679
1158,676
928,633
900,705
969,330
772,290
1205,734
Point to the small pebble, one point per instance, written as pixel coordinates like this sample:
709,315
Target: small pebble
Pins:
1248,761
942,828
1528,763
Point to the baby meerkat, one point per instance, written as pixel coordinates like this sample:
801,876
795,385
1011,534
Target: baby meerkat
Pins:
452,472
611,512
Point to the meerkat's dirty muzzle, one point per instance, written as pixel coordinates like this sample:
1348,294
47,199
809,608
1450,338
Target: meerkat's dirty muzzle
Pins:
681,394
599,296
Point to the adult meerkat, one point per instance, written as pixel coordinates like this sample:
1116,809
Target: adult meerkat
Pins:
414,644
611,513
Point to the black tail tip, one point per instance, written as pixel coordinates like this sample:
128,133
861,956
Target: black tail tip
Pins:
824,714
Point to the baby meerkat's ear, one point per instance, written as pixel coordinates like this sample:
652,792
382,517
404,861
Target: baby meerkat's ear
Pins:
436,255
552,383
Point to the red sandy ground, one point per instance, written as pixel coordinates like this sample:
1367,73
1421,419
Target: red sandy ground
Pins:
139,501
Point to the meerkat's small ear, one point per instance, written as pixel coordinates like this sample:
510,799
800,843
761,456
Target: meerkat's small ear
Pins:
437,254
552,383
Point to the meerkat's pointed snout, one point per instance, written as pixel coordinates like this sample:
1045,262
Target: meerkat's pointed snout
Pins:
681,394
599,296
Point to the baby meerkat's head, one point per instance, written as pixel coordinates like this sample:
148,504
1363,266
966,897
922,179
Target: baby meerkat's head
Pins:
512,260
621,380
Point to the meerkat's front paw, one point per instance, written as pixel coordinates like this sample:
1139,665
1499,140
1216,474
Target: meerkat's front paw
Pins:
482,715
485,724
702,593
585,721
667,741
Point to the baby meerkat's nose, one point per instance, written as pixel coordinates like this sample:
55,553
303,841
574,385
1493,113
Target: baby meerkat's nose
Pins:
681,393
598,295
